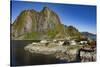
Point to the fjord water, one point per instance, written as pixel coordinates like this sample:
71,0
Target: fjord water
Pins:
20,57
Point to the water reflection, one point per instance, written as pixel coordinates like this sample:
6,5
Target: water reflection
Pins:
19,57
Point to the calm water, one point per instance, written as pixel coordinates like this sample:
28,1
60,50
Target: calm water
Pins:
19,57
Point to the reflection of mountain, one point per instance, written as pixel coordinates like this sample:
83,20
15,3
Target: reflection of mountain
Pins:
89,35
30,25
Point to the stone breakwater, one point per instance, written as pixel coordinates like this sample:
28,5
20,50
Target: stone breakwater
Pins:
63,52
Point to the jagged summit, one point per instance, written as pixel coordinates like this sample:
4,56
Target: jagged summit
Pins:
31,24
45,8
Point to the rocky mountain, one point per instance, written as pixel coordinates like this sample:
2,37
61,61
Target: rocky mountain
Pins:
89,35
45,24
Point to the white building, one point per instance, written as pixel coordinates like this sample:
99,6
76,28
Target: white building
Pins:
43,41
83,42
73,42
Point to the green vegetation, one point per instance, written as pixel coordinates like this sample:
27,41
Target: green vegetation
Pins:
51,33
46,22
32,35
74,47
20,18
72,31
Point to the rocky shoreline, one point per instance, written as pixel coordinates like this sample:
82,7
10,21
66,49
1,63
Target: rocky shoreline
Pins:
66,53
60,52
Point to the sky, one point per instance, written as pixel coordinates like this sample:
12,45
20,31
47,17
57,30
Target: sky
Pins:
83,17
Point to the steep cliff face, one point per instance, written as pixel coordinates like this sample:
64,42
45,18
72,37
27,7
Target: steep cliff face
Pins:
33,25
31,22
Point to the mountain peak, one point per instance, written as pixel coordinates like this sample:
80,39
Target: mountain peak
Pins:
29,10
45,8
30,22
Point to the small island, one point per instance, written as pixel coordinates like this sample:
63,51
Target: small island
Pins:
69,51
